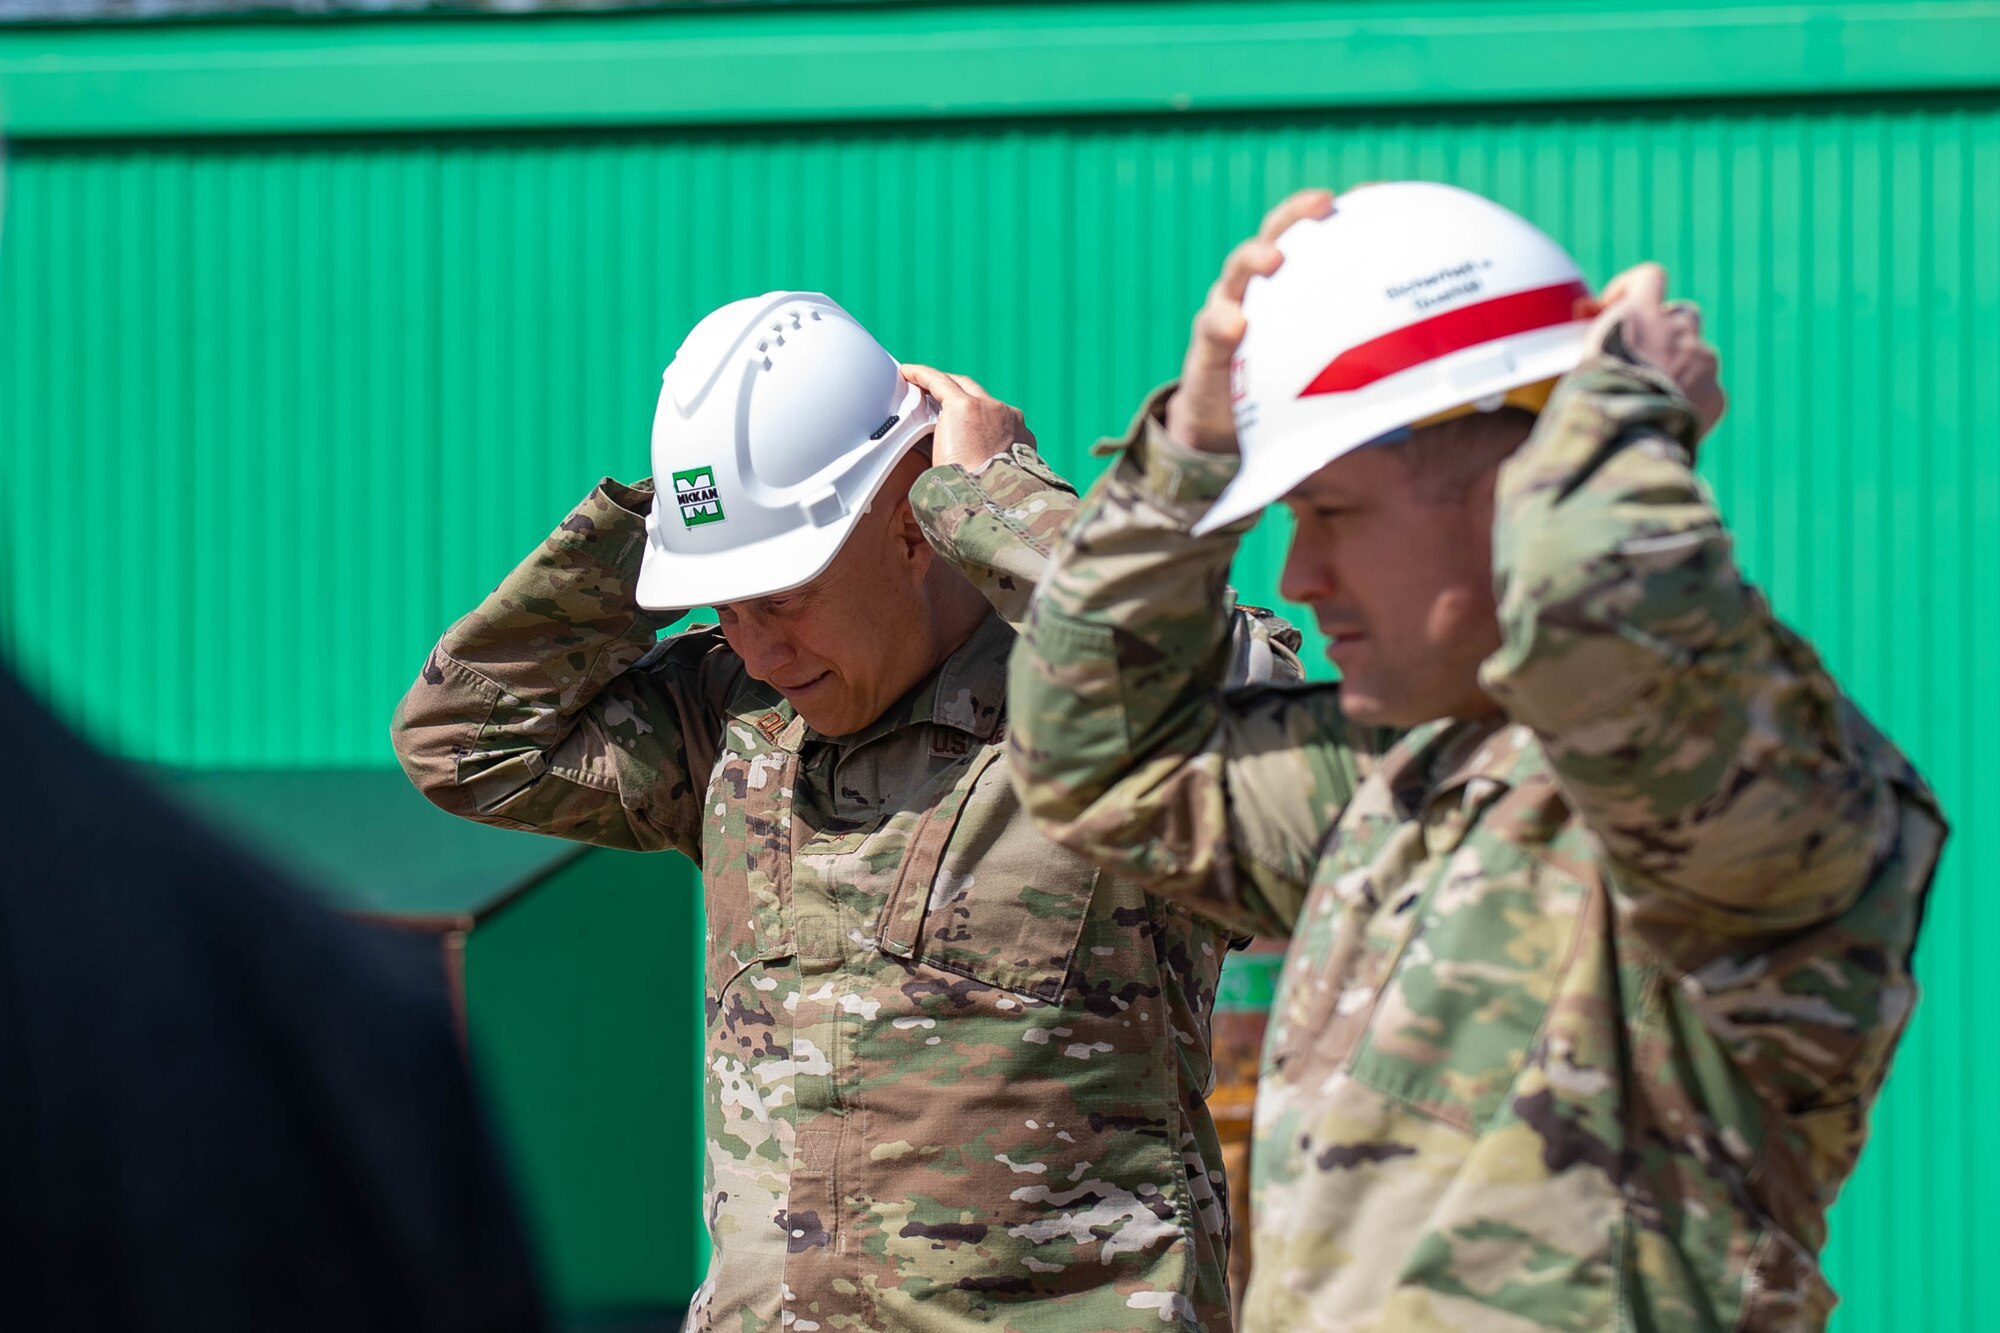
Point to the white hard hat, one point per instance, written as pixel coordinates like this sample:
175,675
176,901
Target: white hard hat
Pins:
779,419
1411,300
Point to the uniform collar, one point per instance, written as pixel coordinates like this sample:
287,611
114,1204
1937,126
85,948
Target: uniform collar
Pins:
967,692
1432,762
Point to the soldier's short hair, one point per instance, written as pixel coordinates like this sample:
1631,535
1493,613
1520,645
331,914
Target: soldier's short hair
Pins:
1448,458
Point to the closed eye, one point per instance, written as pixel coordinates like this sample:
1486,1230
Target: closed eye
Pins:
1323,511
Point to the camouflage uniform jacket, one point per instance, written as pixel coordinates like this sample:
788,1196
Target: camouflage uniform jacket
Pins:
1586,1004
954,1076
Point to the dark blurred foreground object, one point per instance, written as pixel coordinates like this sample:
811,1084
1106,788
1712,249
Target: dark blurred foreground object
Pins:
578,974
223,1107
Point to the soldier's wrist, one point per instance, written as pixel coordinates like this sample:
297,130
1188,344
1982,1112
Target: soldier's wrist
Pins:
606,534
1178,478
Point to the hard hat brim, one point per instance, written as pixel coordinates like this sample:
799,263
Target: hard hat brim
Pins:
682,580
678,580
1280,464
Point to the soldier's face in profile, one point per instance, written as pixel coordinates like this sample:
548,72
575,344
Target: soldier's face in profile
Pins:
1400,579
845,646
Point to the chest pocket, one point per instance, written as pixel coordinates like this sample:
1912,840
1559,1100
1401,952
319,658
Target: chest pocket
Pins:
747,856
1449,972
1466,998
982,895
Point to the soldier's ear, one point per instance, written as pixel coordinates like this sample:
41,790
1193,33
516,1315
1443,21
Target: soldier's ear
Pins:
911,546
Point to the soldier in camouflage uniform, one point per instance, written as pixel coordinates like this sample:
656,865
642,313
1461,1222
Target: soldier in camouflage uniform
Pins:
1599,949
955,1075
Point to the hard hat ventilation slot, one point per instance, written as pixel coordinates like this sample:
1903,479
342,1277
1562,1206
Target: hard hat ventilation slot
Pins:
886,426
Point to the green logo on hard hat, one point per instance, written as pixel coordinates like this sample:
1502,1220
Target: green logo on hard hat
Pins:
700,503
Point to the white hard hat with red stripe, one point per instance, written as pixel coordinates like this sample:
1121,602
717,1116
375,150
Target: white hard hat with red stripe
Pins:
1412,300
779,419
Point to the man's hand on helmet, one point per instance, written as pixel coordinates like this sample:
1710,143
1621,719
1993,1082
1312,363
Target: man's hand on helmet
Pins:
973,426
1665,335
1199,414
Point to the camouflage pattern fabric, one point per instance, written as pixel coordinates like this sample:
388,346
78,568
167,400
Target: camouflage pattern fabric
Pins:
955,1075
1586,1004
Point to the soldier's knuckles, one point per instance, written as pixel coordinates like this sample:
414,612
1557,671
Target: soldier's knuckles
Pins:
1242,266
1209,346
1302,204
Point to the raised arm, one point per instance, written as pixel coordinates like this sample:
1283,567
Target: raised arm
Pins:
990,506
551,707
1701,740
1128,743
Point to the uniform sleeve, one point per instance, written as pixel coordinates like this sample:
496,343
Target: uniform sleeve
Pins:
1128,741
552,708
1700,740
997,525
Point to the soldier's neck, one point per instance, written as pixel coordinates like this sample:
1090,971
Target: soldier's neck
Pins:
957,610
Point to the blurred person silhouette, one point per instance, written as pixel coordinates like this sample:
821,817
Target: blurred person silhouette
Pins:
225,1107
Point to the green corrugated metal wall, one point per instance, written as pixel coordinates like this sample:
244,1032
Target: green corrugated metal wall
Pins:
276,408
